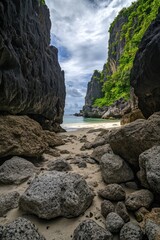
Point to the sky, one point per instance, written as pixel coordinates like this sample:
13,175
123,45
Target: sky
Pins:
80,32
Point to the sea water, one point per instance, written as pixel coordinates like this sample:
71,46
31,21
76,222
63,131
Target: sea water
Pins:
72,123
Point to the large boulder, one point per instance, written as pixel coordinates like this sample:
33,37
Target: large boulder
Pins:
114,169
31,80
19,229
149,162
21,136
89,229
8,201
99,151
132,116
145,75
131,140
16,170
55,194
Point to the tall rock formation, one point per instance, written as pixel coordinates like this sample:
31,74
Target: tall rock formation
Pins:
145,75
126,33
31,80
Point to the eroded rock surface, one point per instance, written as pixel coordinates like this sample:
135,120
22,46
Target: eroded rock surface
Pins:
19,229
57,194
31,80
89,229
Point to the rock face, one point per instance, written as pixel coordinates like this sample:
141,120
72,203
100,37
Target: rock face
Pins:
57,194
114,169
8,201
89,229
22,136
16,170
31,80
145,75
19,229
131,140
94,89
149,162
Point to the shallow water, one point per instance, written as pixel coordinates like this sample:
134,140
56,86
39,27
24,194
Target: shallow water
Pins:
72,123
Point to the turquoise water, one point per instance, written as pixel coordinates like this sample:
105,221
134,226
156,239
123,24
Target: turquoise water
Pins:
71,122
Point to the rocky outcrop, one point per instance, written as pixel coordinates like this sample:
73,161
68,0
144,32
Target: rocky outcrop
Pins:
31,80
22,136
131,140
57,194
145,75
19,229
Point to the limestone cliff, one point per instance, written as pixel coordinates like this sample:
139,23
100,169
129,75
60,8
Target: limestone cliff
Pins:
126,33
145,75
31,80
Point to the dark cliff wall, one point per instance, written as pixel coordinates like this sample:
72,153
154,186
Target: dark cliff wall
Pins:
145,75
94,89
31,80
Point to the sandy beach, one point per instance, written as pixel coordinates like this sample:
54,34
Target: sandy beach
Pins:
62,228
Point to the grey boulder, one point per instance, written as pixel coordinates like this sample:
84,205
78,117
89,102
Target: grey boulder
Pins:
114,222
89,229
98,152
149,162
138,199
8,201
55,194
16,170
131,231
19,229
112,192
114,169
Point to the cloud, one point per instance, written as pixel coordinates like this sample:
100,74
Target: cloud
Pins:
80,32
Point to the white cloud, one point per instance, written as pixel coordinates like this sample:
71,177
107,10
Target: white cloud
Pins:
81,30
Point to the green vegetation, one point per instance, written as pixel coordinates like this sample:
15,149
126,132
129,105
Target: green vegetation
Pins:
138,18
42,2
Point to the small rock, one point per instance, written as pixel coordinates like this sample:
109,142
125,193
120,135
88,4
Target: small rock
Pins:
59,165
82,164
140,214
122,211
112,192
106,208
89,229
131,231
114,169
8,201
114,222
16,170
138,199
64,151
19,229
